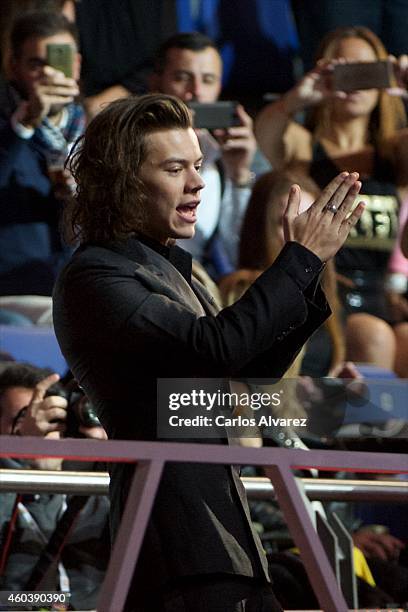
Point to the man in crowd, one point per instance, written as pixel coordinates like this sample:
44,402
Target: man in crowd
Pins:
39,121
31,404
189,66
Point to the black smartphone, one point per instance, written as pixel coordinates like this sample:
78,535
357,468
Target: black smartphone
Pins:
61,57
364,75
215,115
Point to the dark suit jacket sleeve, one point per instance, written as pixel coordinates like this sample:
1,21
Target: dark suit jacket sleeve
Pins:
272,319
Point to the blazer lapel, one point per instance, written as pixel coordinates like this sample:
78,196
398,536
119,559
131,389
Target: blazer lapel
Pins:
156,272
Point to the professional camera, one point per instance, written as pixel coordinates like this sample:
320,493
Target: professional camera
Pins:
80,411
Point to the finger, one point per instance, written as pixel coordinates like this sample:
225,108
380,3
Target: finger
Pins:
367,542
385,543
403,62
348,202
291,212
341,95
355,215
340,196
399,92
54,401
42,387
239,143
53,435
396,542
55,414
292,208
53,73
219,132
244,118
238,132
352,371
59,426
60,80
329,191
375,550
58,100
322,66
351,221
58,90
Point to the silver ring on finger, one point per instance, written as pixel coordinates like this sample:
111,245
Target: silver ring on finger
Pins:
331,208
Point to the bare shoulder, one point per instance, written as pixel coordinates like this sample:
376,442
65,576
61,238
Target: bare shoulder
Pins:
298,143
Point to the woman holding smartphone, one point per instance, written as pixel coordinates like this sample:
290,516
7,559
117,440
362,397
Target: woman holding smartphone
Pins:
363,129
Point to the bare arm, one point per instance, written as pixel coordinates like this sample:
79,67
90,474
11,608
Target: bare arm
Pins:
282,140
277,133
94,104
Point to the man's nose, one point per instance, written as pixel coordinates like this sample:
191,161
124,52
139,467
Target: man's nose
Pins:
194,90
196,183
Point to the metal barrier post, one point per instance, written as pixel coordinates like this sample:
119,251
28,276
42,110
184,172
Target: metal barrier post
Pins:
130,535
302,530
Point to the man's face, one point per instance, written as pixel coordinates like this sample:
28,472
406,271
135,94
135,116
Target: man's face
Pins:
191,75
28,68
11,402
171,176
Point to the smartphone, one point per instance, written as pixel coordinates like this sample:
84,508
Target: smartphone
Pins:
215,115
61,57
364,75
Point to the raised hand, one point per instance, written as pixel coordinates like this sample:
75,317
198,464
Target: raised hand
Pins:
238,146
54,89
43,414
315,87
325,225
378,545
401,77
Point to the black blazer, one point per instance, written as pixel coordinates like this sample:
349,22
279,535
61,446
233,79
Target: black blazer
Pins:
125,315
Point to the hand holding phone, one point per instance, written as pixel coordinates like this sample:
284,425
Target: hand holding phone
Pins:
400,87
238,146
53,90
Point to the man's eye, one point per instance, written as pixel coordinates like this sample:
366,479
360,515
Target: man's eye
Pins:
182,78
34,64
174,170
198,168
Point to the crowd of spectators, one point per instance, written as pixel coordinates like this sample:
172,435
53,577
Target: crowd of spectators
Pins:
306,136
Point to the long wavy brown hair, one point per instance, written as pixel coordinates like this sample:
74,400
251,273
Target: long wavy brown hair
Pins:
387,117
110,201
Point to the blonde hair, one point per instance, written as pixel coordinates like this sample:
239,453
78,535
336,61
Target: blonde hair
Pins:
389,114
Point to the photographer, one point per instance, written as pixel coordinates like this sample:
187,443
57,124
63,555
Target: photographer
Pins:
32,404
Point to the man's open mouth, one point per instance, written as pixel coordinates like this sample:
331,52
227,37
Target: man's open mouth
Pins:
188,212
